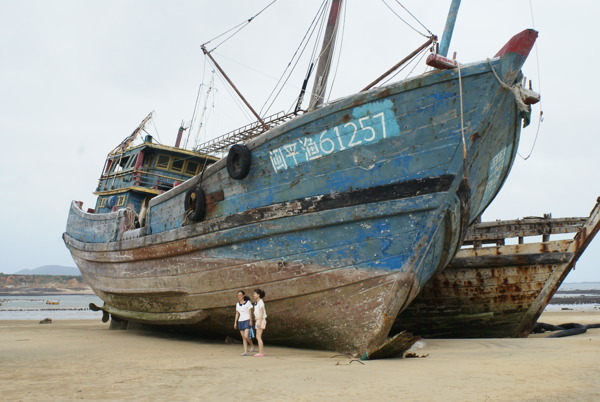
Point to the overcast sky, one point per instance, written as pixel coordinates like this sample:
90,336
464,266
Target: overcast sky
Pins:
76,77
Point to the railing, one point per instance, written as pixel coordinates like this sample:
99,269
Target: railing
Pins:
138,178
496,232
223,142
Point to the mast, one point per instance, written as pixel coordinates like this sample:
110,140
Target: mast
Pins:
447,36
180,135
207,53
326,55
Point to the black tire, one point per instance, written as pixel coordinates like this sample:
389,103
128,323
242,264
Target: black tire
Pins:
196,203
238,161
581,329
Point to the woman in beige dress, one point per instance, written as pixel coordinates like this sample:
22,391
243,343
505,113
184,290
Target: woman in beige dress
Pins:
260,319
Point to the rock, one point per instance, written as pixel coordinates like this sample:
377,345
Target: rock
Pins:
229,340
46,321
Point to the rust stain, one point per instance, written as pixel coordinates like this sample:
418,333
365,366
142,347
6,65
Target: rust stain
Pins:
383,94
214,197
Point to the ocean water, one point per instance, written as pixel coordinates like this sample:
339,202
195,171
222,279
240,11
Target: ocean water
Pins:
580,286
69,307
76,307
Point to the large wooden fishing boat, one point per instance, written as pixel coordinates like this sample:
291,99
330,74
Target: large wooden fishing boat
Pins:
341,213
500,290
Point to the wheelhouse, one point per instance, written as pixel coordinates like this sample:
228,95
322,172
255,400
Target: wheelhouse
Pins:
131,177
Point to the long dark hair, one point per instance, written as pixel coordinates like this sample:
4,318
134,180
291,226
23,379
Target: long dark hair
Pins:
246,298
259,292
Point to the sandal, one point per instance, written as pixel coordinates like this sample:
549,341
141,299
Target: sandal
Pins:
245,354
259,355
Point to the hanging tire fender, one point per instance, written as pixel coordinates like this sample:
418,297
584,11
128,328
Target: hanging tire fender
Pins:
238,161
195,203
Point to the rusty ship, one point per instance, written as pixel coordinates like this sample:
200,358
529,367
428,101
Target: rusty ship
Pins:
492,289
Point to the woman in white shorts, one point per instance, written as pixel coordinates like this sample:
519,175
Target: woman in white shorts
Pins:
260,317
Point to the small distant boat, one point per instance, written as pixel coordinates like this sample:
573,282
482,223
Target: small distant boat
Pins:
499,291
342,211
52,302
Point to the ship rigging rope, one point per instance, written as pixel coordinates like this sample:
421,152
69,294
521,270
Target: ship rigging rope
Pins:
415,18
403,20
187,138
541,115
303,44
239,27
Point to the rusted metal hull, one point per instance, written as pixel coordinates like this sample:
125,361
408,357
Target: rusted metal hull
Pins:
499,291
342,236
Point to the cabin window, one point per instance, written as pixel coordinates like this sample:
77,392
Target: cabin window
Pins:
121,200
114,164
124,161
131,161
162,162
177,165
191,168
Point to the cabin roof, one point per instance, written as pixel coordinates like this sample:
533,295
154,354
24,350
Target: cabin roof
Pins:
164,148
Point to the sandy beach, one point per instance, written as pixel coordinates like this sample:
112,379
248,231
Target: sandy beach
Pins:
83,359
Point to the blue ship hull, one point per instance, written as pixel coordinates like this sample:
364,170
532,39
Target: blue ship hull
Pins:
345,215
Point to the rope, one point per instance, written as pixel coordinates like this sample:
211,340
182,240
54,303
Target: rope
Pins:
303,44
127,213
415,18
515,89
187,138
462,120
541,115
403,20
241,26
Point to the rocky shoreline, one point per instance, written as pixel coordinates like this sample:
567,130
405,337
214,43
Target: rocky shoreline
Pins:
42,285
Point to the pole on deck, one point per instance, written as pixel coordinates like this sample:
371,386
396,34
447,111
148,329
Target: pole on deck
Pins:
447,36
401,62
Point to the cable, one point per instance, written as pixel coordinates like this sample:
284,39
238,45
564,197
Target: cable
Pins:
241,25
415,18
155,129
403,20
187,138
305,41
541,115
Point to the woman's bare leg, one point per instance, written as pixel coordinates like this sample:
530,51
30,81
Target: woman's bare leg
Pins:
259,332
244,335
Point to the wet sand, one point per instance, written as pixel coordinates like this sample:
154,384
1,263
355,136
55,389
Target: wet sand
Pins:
84,360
